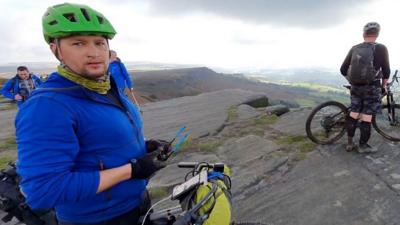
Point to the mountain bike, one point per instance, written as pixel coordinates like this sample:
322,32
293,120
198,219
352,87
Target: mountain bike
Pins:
327,122
188,212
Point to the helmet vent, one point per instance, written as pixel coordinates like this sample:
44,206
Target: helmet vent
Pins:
85,14
54,22
101,19
70,17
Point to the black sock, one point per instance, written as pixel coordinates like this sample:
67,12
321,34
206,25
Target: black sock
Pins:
365,128
351,125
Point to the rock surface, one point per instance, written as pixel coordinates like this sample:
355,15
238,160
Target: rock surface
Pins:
7,124
277,110
326,185
247,112
202,114
293,122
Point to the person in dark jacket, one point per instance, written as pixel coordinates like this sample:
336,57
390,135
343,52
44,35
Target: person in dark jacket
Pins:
366,98
84,153
21,85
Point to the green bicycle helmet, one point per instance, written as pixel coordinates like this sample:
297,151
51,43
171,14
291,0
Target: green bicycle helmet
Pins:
67,19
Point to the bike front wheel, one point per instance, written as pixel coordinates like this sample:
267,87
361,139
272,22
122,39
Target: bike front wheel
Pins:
327,122
387,123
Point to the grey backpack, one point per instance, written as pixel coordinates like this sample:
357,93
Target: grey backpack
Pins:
362,70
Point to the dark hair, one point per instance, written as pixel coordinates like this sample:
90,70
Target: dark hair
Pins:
22,68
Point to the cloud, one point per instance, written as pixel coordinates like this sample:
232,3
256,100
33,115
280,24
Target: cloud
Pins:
295,13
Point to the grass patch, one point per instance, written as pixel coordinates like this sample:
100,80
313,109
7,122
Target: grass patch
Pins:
298,145
259,131
305,102
232,113
289,140
211,146
159,192
4,160
306,146
9,106
8,144
266,120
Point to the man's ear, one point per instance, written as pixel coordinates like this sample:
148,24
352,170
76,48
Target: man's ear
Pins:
54,49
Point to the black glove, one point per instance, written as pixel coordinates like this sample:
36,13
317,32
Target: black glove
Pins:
145,167
153,145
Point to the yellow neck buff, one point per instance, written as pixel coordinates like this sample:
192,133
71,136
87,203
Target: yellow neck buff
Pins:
100,86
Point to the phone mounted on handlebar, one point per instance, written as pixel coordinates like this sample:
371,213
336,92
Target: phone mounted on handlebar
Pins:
171,147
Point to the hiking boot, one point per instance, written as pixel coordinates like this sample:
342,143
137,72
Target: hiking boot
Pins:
366,148
350,147
350,144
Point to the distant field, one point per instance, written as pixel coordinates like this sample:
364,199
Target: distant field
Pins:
316,93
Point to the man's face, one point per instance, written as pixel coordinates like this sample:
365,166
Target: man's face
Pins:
23,74
87,56
113,56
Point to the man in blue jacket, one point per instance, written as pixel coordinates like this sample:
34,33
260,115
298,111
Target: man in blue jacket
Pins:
119,72
121,76
84,154
21,85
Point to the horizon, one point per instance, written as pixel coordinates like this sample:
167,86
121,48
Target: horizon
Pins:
230,35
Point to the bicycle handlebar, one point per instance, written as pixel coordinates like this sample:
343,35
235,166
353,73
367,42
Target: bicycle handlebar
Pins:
394,78
202,164
198,166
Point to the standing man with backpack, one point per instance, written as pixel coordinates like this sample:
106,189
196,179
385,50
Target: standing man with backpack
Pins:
21,85
365,66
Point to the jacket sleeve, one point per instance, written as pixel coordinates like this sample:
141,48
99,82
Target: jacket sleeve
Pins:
37,80
385,63
6,90
47,149
127,77
346,63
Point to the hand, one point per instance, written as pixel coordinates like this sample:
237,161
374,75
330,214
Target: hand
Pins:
157,144
18,97
146,167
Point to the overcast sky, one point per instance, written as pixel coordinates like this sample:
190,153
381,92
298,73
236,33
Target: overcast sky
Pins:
216,33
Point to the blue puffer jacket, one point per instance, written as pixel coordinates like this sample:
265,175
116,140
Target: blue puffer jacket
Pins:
120,74
65,135
11,87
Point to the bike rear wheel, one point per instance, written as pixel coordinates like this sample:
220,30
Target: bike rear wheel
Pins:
327,122
387,123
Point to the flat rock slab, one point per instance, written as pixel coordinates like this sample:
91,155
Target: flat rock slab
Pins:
293,122
247,176
330,186
247,112
201,114
7,124
241,151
